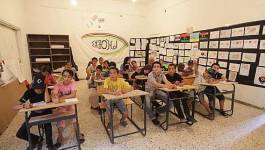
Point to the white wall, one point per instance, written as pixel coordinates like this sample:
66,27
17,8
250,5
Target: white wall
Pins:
60,17
206,14
12,12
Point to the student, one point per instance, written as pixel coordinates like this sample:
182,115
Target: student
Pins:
156,79
112,64
144,71
126,68
47,73
64,90
96,76
212,75
134,65
189,70
105,68
176,79
117,86
181,68
101,61
37,93
92,68
69,65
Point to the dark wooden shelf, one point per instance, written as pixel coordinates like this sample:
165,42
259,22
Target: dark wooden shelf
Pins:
39,45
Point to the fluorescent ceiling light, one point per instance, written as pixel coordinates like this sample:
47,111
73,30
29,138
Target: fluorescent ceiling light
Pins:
133,0
73,2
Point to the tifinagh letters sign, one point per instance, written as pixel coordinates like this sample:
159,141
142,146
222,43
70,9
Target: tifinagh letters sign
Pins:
105,42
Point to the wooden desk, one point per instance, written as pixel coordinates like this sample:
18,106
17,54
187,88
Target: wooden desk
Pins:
141,77
178,89
42,106
221,83
134,93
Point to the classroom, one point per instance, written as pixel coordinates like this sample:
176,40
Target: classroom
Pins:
132,74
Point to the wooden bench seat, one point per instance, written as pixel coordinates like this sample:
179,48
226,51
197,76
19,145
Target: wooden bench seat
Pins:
50,118
127,101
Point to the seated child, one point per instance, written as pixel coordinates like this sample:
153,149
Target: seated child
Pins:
97,75
156,80
144,71
64,90
116,86
212,75
189,70
105,68
176,79
37,93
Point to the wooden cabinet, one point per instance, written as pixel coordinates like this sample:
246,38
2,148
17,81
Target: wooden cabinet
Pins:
52,50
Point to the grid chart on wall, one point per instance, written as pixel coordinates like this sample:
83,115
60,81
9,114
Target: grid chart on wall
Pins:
239,49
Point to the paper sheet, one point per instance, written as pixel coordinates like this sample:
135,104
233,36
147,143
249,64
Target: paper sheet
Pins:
180,59
235,55
262,44
244,69
177,38
222,64
249,57
223,55
262,59
212,54
153,41
201,69
187,45
176,52
224,44
181,45
157,41
263,32
260,76
214,34
252,30
167,39
213,44
132,47
172,38
38,104
138,44
162,44
132,53
210,62
203,45
174,59
195,46
223,71
71,100
234,67
132,41
168,59
251,44
237,44
163,51
186,59
238,32
170,52
176,45
203,54
203,61
181,53
225,33
232,76
194,37
187,53
139,53
161,57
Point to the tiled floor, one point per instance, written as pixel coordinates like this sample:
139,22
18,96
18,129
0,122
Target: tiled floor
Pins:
244,130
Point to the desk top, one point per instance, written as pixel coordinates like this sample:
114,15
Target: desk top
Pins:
217,84
99,81
179,88
141,77
41,106
51,87
133,93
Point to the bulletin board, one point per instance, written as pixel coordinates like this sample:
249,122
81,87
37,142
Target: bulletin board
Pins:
239,49
138,50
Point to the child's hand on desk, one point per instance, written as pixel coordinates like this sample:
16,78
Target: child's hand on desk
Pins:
117,93
18,107
169,86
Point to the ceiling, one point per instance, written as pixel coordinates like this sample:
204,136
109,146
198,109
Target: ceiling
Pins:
137,1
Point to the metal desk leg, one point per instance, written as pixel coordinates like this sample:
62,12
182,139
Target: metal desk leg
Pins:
214,99
233,99
167,115
193,104
28,130
78,129
144,115
111,124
